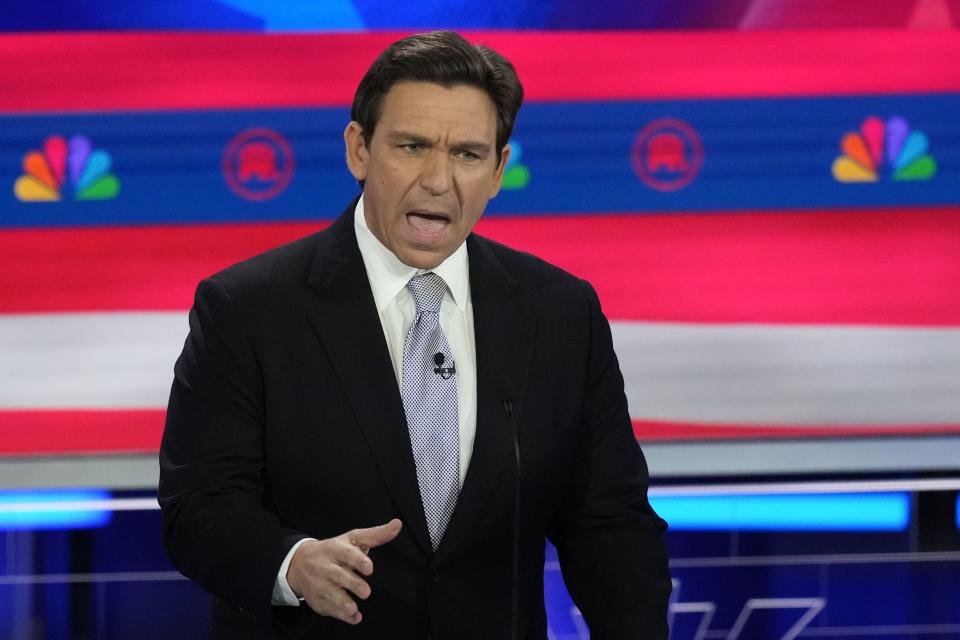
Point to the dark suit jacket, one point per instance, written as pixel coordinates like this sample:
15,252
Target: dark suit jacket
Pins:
285,421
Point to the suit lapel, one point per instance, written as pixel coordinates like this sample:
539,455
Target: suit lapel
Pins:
503,333
346,321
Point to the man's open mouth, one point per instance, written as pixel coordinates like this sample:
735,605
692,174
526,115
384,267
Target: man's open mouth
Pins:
427,222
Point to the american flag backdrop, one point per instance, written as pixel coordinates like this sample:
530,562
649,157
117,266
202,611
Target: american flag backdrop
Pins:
770,217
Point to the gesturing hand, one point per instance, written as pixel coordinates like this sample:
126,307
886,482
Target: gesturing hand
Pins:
326,572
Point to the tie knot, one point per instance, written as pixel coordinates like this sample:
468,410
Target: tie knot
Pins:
427,290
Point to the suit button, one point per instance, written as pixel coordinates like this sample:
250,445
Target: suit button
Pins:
435,578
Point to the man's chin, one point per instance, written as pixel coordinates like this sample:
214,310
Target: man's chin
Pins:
423,258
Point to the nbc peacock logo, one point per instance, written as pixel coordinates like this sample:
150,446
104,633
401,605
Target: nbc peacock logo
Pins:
67,170
884,148
516,175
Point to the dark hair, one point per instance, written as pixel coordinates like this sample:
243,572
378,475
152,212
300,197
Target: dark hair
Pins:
444,58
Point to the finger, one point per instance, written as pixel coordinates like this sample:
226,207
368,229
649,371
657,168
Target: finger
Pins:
342,609
352,557
348,609
351,582
375,536
337,602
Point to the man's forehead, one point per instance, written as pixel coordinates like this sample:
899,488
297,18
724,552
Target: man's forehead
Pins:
427,100
461,116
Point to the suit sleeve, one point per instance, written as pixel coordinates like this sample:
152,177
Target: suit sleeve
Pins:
216,528
609,540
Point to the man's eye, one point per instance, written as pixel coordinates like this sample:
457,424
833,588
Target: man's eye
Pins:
412,147
468,155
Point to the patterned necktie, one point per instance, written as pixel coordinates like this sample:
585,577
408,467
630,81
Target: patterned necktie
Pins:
430,402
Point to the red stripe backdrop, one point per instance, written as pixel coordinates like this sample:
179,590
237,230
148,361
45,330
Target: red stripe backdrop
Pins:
767,267
86,72
66,431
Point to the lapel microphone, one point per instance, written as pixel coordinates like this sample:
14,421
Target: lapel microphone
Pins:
444,372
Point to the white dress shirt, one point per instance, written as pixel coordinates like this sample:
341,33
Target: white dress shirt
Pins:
388,281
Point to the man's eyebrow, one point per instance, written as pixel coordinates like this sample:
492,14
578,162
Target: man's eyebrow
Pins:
407,136
479,148
474,146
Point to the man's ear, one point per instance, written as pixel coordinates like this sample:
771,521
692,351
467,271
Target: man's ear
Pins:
498,175
357,154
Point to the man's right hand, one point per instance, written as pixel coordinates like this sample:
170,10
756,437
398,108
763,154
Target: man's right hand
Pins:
326,572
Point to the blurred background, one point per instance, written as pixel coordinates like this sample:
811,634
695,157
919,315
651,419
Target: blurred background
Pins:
765,193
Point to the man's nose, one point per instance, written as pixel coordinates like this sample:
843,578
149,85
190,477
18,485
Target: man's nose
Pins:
437,174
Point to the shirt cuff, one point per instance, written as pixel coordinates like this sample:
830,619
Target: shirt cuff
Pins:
283,595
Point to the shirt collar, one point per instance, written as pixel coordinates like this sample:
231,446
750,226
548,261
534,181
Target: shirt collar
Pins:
388,275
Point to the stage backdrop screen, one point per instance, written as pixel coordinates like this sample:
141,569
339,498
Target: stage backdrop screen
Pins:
767,201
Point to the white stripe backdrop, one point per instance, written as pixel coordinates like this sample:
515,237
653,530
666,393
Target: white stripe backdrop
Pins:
738,374
89,360
790,375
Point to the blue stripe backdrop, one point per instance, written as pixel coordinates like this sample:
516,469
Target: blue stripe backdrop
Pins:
757,154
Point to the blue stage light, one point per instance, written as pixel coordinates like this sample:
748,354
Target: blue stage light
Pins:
54,509
786,512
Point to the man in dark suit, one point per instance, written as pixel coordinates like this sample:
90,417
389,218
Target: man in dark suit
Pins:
372,430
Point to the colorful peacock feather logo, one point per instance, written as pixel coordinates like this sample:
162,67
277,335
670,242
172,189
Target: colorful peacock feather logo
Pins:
516,175
884,146
63,170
